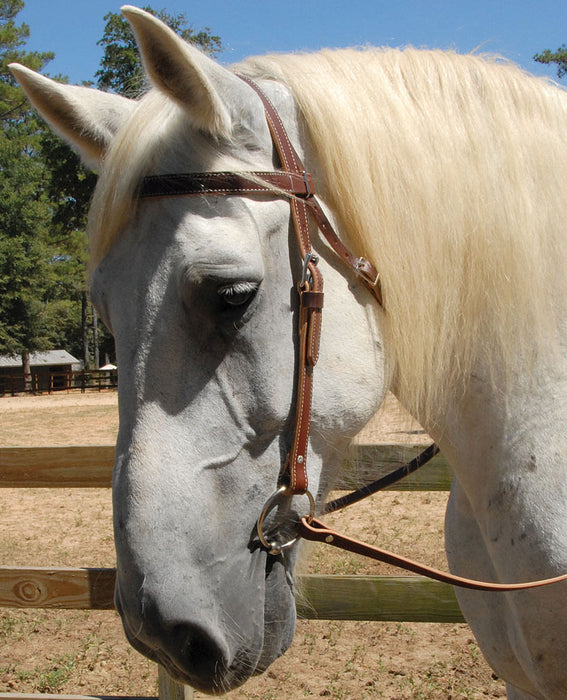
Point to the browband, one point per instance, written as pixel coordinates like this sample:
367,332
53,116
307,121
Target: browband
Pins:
300,185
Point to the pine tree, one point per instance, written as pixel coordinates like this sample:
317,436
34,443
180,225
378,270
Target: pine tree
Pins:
558,57
12,39
27,283
121,67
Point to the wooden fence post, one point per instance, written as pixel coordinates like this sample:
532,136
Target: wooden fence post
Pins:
172,690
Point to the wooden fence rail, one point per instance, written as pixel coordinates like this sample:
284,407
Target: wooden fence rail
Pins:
322,597
46,381
91,466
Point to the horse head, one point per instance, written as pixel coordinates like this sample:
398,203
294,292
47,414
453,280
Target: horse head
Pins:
200,295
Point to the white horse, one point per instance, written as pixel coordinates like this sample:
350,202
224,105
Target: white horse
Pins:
449,173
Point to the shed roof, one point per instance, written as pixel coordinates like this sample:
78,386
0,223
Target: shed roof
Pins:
40,359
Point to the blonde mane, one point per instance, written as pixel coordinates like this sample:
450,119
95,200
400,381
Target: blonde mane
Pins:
447,171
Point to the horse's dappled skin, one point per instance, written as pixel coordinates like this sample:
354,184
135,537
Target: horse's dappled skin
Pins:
449,174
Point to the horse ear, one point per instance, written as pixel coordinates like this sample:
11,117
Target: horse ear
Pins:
183,72
86,118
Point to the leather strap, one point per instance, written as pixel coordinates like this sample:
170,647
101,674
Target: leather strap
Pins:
292,162
295,181
295,470
300,185
310,291
365,270
316,531
383,482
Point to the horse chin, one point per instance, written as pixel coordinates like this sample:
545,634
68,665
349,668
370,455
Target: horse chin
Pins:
279,611
209,672
215,661
203,663
223,680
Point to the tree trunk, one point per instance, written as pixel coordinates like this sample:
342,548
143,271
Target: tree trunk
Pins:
85,329
95,338
27,372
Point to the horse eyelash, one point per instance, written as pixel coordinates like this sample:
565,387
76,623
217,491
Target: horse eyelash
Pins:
236,288
238,294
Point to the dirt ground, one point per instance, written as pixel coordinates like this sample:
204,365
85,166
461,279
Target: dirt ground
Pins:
85,652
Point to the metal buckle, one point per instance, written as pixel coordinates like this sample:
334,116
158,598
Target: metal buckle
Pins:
305,277
308,192
361,272
274,547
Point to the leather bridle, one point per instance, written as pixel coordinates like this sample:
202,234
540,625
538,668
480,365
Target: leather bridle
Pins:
296,184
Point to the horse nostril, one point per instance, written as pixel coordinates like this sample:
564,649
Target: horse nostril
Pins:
198,652
190,653
189,642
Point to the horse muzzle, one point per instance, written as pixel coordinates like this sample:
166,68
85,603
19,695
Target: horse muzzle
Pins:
208,645
192,652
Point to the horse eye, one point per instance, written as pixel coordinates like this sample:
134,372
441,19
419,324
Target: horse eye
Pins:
238,293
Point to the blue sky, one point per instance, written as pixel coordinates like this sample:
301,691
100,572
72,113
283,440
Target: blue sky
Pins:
515,29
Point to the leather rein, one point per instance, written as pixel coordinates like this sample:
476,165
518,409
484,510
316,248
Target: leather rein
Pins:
297,185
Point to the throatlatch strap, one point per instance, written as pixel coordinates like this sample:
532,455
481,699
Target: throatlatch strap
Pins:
292,162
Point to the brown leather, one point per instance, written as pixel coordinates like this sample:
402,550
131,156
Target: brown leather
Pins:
316,531
185,184
295,181
292,162
295,470
310,304
309,316
361,266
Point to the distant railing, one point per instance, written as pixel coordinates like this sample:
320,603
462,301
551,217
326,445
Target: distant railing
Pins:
48,382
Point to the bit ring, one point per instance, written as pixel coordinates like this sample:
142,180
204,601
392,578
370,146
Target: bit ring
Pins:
272,546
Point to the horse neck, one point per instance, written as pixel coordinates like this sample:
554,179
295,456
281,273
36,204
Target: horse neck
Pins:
504,425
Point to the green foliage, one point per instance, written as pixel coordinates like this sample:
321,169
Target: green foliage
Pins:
70,185
12,38
36,280
52,678
558,57
24,216
40,276
121,67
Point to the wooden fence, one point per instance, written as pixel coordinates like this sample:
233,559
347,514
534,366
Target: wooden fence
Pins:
45,381
324,597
